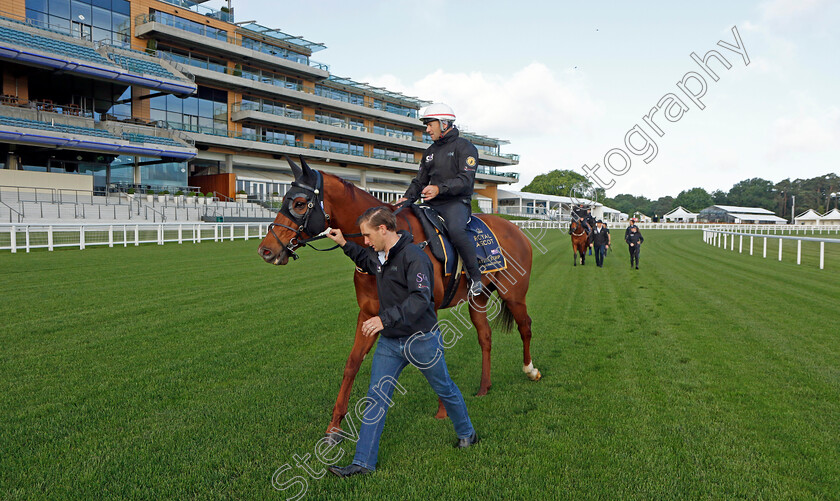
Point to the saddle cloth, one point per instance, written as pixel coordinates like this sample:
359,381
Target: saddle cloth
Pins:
487,248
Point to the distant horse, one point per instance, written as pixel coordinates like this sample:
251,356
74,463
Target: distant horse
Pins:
580,242
317,201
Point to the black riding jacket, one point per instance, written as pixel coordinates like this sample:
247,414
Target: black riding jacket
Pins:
405,283
450,164
627,231
634,238
600,237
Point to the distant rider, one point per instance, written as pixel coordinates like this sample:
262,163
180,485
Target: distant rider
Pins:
584,217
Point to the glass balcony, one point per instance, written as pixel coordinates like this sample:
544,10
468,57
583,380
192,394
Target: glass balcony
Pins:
250,136
221,15
262,76
326,120
492,171
222,35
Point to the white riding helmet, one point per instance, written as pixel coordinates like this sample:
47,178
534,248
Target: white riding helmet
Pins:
437,111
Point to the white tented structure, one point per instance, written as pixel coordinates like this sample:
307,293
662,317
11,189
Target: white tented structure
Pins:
680,215
553,207
831,218
809,217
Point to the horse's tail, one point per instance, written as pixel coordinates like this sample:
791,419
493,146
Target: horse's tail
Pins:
504,321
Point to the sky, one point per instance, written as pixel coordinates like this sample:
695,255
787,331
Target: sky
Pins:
565,82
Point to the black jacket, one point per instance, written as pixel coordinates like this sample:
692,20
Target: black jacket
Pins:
627,231
450,164
600,237
405,284
634,238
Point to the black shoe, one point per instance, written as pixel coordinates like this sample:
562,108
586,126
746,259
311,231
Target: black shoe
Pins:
463,443
637,267
475,288
349,470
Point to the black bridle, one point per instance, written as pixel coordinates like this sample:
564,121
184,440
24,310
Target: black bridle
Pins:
314,222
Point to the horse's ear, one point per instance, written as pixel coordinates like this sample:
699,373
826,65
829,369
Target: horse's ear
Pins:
307,171
296,170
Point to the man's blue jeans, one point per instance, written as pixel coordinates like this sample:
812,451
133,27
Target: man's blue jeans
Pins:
391,357
600,252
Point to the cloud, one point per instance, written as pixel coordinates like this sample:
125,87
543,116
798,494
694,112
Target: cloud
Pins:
534,100
806,133
541,112
787,11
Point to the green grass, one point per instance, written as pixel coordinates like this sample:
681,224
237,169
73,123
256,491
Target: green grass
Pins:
196,371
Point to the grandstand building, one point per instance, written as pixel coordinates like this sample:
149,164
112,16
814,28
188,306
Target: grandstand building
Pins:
112,95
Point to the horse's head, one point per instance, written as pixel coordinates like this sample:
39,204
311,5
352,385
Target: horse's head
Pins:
301,216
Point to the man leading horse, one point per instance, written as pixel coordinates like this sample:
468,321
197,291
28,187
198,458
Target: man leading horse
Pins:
445,180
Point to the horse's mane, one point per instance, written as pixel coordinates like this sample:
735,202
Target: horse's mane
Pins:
353,192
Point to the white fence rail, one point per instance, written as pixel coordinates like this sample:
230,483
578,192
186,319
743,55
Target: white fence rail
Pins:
774,229
25,237
726,239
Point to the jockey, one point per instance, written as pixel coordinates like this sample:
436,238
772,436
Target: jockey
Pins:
445,179
583,216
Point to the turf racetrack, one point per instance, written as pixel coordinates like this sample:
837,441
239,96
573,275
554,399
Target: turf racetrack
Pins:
197,371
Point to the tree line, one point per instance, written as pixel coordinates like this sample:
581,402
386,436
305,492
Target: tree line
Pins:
814,193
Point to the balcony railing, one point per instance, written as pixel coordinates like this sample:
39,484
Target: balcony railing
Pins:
201,9
335,122
235,39
262,76
492,171
250,136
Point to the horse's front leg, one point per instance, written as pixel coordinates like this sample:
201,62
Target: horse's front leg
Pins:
361,347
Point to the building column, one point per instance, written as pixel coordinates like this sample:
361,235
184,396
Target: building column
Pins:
363,179
137,176
12,161
229,164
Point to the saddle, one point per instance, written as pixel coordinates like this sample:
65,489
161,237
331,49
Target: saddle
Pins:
488,251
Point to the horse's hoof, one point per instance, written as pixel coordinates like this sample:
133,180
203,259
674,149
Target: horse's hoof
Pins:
441,415
333,438
482,392
532,372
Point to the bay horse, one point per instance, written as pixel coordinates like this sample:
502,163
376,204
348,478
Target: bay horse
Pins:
318,200
580,242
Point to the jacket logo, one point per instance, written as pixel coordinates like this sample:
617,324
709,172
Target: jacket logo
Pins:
471,161
429,158
451,154
421,281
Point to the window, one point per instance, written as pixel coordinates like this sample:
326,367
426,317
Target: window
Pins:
205,113
96,20
393,155
337,146
330,119
392,131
